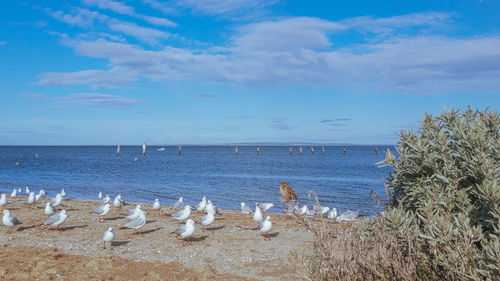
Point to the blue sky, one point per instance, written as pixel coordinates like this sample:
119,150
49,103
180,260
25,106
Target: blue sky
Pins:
224,71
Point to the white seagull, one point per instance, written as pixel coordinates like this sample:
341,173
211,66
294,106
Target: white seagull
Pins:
100,195
133,213
14,193
101,211
201,206
3,200
108,236
27,190
257,216
348,216
333,213
138,222
31,198
49,210
57,200
156,205
106,199
207,219
178,205
245,209
183,214
185,230
19,191
118,202
265,227
57,219
63,193
266,206
303,210
9,221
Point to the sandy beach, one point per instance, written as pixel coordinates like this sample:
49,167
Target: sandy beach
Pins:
233,251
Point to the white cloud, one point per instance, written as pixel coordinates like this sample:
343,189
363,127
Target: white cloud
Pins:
79,17
218,7
145,34
114,6
159,21
95,99
163,7
304,51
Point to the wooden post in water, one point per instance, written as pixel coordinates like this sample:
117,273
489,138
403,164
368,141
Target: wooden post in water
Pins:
290,150
236,151
180,150
258,150
323,150
312,150
300,150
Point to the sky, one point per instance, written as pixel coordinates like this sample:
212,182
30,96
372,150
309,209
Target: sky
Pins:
99,72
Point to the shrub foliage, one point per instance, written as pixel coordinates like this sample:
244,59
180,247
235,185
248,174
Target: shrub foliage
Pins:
443,216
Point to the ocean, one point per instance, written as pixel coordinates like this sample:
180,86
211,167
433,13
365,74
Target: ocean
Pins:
341,181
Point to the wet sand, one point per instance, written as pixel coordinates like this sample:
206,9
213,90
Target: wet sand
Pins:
235,250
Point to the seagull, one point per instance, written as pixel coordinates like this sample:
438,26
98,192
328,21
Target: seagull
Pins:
27,190
106,199
185,230
207,220
14,193
265,227
333,213
49,210
31,198
37,197
3,200
137,222
201,206
178,205
321,210
101,211
133,213
42,192
100,195
108,236
348,216
57,219
245,209
118,202
182,214
156,205
19,191
63,193
266,206
9,221
57,200
257,216
303,210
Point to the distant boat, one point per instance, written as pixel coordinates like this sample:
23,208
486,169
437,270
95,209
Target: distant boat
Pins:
323,150
312,150
118,150
161,148
20,164
300,150
258,150
144,149
344,151
236,151
290,150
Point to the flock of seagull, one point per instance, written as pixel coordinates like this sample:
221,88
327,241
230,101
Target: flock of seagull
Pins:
137,215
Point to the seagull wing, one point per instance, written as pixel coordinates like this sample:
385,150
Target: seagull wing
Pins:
14,220
99,209
135,223
181,229
246,209
178,214
177,205
52,219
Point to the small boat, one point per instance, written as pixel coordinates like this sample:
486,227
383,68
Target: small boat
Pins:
300,150
161,149
236,151
290,150
323,150
312,150
258,150
118,150
144,149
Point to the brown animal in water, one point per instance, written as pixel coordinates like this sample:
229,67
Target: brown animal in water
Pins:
287,193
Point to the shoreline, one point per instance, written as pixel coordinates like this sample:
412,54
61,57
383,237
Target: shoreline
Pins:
233,249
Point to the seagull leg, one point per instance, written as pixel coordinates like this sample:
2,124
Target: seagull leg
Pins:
268,238
189,240
104,245
183,242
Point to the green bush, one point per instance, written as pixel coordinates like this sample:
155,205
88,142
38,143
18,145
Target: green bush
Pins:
443,217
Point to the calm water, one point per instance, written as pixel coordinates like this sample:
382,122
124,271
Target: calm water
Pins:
339,180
